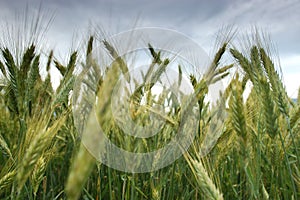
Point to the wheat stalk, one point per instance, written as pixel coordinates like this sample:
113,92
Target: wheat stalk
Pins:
204,182
38,173
42,139
7,180
79,172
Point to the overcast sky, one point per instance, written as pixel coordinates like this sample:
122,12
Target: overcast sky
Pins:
200,20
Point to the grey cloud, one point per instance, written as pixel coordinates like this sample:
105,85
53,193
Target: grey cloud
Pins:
192,17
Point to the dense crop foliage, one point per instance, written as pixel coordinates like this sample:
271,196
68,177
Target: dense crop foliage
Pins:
254,154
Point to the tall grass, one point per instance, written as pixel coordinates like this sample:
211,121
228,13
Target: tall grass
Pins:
253,154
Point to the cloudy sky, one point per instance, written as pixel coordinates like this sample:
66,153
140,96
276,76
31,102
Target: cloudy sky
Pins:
201,20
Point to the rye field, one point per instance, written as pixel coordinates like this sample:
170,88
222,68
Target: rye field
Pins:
253,153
